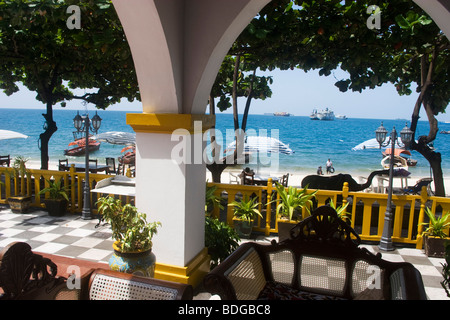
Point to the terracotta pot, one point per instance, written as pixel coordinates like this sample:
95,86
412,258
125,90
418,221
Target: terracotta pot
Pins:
140,263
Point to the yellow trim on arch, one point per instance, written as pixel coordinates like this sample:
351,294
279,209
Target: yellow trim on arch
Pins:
191,274
169,122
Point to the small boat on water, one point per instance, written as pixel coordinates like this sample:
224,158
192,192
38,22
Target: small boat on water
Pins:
313,115
128,155
281,114
341,117
79,146
400,159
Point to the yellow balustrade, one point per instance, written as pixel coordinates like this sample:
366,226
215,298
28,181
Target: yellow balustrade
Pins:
366,210
35,180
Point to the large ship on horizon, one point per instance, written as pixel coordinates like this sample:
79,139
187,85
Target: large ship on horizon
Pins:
281,114
326,114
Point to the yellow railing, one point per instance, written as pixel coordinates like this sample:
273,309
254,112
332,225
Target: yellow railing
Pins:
366,210
35,180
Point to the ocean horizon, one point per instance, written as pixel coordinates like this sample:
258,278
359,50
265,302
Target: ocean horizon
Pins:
313,142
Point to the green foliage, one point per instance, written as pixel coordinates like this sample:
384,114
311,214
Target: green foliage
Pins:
437,225
220,239
246,209
291,199
20,170
211,200
55,190
129,227
341,210
446,269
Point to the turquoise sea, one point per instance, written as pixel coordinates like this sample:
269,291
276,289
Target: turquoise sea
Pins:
312,141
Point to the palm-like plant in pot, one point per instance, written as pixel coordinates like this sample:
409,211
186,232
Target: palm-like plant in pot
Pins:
133,237
289,209
57,200
245,211
20,202
435,235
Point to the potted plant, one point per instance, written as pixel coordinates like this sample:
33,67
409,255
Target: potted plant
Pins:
20,202
434,235
220,239
292,201
58,200
133,237
245,211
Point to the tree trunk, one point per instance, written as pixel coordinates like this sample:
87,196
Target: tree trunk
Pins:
216,169
434,158
44,137
234,92
247,104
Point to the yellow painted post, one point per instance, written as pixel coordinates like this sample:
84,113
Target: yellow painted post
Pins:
344,199
423,200
268,207
72,188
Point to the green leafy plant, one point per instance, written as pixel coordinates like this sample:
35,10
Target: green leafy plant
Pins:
20,171
129,227
446,269
341,210
211,200
246,209
55,190
220,239
291,199
437,226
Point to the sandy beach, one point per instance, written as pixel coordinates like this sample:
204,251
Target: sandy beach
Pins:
295,178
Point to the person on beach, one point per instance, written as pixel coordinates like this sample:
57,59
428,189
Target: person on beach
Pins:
319,170
330,168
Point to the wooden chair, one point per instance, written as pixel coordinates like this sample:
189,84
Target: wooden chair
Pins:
5,160
284,180
111,163
247,176
63,165
93,161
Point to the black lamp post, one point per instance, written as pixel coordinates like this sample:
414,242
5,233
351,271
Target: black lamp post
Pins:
83,123
406,136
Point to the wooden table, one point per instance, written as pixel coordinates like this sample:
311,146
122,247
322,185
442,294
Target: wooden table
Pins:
81,167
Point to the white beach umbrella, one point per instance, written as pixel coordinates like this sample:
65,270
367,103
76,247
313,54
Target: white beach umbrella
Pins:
371,144
8,134
262,144
117,137
368,144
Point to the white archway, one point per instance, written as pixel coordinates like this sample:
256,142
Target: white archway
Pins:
178,47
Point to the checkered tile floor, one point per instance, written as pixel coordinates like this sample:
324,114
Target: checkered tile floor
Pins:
72,236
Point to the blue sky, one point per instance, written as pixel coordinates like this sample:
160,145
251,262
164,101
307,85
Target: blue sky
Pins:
294,91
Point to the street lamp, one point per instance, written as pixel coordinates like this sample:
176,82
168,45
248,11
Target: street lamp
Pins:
406,136
84,124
